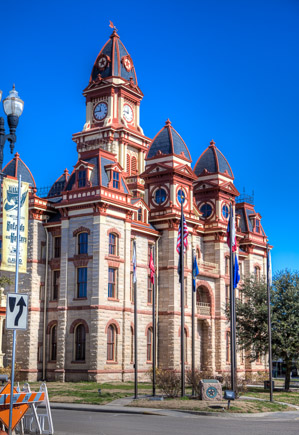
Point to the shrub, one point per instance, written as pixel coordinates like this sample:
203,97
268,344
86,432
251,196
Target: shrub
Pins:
241,384
168,381
194,380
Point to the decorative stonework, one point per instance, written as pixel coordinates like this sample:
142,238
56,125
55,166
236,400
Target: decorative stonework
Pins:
210,389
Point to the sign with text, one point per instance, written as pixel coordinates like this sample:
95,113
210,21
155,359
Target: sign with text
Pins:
16,311
10,219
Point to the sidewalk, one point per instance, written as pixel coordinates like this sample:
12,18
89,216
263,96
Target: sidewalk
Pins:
119,406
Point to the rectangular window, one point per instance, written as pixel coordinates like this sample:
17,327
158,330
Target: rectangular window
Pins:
41,291
82,243
149,290
116,180
112,276
227,292
82,282
56,281
57,247
43,251
112,244
81,178
0,250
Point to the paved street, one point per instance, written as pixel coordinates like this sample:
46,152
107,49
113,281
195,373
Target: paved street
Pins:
95,423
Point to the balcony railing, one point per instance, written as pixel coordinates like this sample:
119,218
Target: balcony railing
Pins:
203,308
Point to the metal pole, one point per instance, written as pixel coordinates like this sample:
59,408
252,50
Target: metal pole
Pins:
135,329
154,329
269,325
182,304
193,329
16,291
232,304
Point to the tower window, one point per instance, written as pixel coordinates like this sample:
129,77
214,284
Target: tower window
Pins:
225,211
82,178
160,196
181,196
257,226
116,180
206,210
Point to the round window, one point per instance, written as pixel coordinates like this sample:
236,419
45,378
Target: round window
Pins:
181,196
206,210
160,196
225,211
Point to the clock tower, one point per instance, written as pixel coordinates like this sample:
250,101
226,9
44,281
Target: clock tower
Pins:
113,112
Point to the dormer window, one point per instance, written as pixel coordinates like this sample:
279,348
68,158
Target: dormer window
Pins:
139,215
82,178
116,180
257,226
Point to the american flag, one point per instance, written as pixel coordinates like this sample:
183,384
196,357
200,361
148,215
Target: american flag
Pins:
185,236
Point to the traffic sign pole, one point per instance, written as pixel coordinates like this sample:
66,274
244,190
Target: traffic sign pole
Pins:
16,291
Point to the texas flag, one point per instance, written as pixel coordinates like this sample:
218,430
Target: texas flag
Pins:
231,228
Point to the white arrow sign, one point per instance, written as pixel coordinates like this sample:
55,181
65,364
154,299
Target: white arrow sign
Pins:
16,311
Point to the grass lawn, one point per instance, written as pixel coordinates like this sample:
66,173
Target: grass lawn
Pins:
87,392
238,406
291,397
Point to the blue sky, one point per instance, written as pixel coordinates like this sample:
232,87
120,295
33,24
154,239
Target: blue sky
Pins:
222,70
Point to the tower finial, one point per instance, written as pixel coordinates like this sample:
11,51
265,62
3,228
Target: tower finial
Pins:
112,26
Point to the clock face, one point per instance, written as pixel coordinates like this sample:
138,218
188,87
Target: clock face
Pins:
100,111
128,113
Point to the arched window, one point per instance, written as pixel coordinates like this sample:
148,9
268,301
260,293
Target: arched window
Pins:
82,243
111,343
128,164
53,343
113,239
134,165
149,344
80,338
257,273
197,254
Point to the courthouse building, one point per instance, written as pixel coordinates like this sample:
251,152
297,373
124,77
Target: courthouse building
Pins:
126,186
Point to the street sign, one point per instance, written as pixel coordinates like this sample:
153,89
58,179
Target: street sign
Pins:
16,311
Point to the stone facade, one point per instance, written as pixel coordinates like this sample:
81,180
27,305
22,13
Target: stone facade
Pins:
126,187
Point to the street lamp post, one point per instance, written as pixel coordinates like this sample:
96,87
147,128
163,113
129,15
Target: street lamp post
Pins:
13,108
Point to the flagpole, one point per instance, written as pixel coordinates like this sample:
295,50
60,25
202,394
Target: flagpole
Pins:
135,321
193,330
182,302
232,304
269,323
154,330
